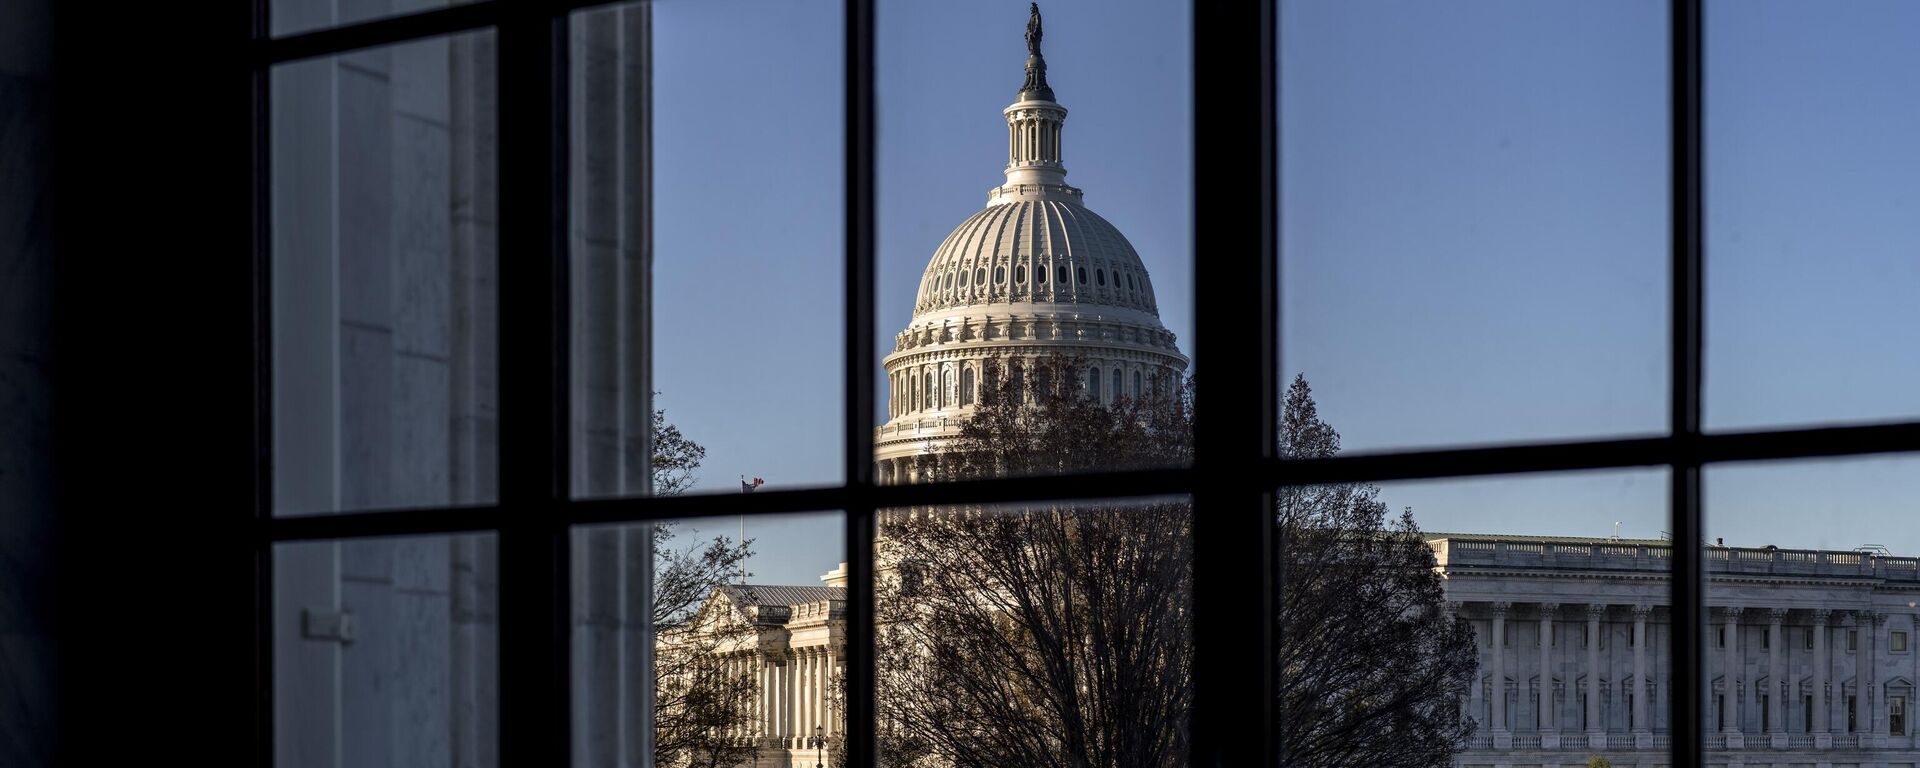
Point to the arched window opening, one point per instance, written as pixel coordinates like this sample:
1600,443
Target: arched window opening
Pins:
1130,281
999,275
1136,383
1043,383
1020,274
1061,273
1100,277
966,387
979,274
1081,272
1093,383
1017,383
963,279
926,388
1114,386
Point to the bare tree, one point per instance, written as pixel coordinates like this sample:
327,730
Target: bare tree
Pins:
1052,635
703,715
1059,635
1371,665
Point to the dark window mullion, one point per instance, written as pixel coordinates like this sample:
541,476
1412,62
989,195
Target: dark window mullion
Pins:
532,369
1234,213
1689,585
860,361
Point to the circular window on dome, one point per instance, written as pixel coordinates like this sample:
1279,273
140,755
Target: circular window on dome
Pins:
1081,272
1020,274
1100,276
979,274
1061,272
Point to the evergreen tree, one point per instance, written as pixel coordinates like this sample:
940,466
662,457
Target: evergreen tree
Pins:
1371,664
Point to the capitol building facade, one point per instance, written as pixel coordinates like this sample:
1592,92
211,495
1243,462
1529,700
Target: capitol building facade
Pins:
1811,652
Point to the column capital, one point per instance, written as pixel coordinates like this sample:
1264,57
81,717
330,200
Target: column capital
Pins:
1849,618
1821,616
1596,611
1498,610
1877,617
1548,610
1642,612
1776,616
1729,612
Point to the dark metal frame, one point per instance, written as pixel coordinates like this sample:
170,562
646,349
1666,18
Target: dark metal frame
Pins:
1233,477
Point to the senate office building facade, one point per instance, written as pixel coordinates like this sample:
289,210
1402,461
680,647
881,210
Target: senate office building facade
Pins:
1812,652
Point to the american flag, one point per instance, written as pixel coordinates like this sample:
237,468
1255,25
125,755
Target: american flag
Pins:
746,487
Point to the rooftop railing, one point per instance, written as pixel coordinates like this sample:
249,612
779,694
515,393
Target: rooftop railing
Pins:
1637,556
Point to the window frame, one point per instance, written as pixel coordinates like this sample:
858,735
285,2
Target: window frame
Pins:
1232,481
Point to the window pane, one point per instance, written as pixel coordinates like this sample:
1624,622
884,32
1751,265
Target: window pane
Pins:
1811,241
706,652
1045,634
287,17
1081,136
707,246
1827,548
386,652
384,275
1473,622
1474,217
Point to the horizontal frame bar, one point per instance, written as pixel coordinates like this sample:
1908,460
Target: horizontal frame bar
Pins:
393,30
1775,445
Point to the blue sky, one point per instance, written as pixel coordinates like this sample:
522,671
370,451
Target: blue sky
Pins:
1474,231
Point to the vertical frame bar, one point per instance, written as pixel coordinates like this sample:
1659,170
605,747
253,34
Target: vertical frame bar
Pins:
534,552
861,724
1234,205
260,218
1689,584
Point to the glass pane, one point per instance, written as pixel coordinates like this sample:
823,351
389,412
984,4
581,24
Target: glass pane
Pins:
1046,634
386,652
1813,587
286,17
1034,303
383,269
707,246
1811,241
690,648
1474,217
1486,621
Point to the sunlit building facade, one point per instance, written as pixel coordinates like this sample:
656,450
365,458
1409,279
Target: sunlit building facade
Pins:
1810,653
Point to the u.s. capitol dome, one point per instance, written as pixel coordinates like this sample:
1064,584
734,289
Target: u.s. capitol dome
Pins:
1033,274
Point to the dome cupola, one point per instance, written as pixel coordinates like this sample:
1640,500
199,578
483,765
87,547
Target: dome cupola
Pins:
1036,273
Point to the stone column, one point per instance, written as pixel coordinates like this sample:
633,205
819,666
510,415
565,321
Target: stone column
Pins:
1822,719
1642,734
1777,689
1543,714
1595,612
1862,709
1474,696
1502,738
1877,697
762,713
1730,676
